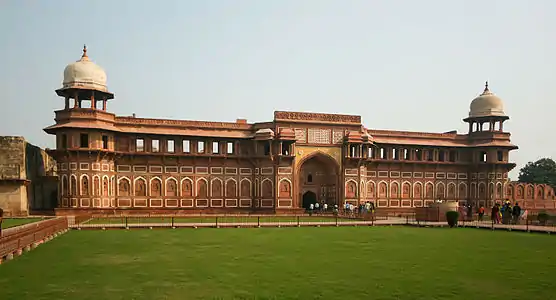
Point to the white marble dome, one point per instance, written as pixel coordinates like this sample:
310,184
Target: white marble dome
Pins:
486,104
84,74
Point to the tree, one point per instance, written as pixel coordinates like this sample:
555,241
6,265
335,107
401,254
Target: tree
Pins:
540,171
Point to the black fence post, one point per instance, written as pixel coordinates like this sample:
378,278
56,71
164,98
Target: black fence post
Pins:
297,221
125,222
216,222
172,221
336,220
258,221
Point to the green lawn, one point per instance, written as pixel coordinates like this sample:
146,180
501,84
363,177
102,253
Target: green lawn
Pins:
234,219
11,222
286,263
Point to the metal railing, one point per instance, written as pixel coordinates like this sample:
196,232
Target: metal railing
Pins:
229,220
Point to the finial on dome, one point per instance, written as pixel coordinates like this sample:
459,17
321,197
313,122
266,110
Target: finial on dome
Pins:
84,51
486,91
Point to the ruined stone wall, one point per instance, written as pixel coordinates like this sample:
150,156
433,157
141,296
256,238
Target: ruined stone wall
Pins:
27,177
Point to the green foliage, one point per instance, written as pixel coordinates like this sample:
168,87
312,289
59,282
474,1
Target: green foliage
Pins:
543,217
540,171
452,218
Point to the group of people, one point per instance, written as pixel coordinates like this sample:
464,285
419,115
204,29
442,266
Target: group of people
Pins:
506,214
348,209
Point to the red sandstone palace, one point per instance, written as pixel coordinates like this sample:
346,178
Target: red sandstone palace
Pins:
109,162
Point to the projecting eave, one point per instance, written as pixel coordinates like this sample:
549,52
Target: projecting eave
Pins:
158,130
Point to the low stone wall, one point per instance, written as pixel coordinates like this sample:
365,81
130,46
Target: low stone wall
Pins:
17,240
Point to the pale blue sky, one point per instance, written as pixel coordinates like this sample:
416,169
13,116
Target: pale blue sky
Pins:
405,65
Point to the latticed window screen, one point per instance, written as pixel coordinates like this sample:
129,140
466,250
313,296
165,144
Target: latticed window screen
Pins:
319,136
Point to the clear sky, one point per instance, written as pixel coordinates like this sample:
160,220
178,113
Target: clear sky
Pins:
405,65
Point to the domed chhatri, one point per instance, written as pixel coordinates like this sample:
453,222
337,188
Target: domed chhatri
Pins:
84,74
486,104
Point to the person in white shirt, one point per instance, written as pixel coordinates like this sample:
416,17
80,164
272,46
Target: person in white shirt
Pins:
324,207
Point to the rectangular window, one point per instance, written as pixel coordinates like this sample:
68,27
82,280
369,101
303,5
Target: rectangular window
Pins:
104,142
266,149
396,153
483,156
155,146
383,153
186,145
171,147
139,145
441,155
452,155
64,141
230,148
500,156
84,140
215,146
419,154
200,147
430,155
406,155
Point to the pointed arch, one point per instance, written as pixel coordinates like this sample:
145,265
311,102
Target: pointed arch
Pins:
85,187
351,189
451,191
394,190
530,192
186,185
216,188
140,187
417,190
440,190
171,187
202,188
64,186
429,190
462,191
96,185
540,192
73,188
482,190
371,190
124,186
509,190
285,188
499,191
406,190
383,189
491,190
362,188
267,188
474,191
231,188
155,184
520,191
105,186
245,188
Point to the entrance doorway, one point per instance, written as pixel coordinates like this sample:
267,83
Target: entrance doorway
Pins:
318,178
308,198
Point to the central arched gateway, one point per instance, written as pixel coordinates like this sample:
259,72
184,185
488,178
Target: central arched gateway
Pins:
317,177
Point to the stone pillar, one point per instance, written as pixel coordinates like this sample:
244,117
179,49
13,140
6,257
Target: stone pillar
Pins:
66,106
93,102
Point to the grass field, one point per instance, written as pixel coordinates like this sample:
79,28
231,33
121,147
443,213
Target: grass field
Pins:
286,263
221,219
9,222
